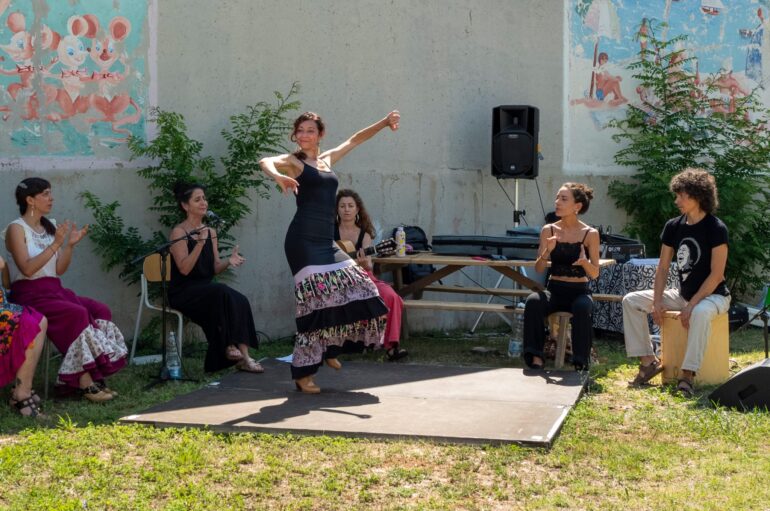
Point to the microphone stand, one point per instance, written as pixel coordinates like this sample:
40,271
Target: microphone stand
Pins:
164,251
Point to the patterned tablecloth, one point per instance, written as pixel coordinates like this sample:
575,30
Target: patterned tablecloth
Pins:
621,279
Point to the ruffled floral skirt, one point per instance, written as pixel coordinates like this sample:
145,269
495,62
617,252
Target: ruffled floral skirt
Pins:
338,311
81,329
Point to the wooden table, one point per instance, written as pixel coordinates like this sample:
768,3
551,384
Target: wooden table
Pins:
447,265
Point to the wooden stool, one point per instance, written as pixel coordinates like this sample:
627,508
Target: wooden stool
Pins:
559,327
715,367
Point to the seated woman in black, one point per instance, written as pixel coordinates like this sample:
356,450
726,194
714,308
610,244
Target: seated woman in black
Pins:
573,249
223,313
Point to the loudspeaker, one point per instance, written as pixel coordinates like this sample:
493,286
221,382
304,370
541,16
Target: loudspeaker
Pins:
514,141
748,389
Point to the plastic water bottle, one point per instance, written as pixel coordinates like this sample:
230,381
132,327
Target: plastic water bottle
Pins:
516,342
400,241
173,364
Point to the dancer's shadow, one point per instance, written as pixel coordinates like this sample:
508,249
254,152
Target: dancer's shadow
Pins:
297,404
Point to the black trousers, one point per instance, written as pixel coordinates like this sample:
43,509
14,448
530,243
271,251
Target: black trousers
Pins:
573,297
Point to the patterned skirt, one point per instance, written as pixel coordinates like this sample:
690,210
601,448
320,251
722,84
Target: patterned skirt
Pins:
18,329
81,329
338,311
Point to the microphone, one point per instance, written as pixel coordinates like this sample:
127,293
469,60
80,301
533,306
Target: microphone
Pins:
214,217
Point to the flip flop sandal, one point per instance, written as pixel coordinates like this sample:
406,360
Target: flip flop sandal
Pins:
646,373
233,353
685,388
250,365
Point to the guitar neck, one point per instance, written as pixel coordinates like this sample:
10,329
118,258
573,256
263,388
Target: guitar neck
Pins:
367,252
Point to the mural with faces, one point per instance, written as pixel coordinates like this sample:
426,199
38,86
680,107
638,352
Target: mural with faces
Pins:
74,78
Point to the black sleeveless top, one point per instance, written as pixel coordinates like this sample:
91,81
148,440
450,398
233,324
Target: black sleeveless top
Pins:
359,242
564,255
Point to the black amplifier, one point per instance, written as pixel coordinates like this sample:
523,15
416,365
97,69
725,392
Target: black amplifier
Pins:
620,248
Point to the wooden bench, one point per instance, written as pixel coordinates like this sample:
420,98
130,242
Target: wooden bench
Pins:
522,293
462,306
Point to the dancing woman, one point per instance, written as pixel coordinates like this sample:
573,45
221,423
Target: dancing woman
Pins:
338,307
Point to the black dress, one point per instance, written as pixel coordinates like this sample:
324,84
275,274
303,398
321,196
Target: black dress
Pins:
223,313
338,307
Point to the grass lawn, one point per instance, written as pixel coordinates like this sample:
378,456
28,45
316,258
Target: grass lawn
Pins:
621,448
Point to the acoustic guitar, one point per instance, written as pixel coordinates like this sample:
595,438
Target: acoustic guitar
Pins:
384,248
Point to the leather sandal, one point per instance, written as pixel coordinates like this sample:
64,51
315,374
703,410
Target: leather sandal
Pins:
685,388
94,394
103,386
646,373
307,385
249,365
34,395
28,404
233,353
395,353
334,363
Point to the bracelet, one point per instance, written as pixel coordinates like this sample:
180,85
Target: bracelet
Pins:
52,249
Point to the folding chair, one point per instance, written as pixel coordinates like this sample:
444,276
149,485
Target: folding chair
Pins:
151,273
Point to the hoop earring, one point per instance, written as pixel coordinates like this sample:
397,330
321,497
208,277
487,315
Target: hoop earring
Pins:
357,218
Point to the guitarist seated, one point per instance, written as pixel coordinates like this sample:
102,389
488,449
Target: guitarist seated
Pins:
354,227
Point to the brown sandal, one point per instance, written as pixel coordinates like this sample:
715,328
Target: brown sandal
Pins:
646,373
685,388
250,365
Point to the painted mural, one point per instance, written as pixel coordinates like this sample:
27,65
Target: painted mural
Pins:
74,78
729,40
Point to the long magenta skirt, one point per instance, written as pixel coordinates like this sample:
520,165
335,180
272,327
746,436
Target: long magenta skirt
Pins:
80,328
17,332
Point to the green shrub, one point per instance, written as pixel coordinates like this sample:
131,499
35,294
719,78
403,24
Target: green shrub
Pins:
680,124
262,129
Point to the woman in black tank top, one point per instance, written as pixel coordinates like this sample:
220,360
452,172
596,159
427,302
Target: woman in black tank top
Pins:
338,308
572,247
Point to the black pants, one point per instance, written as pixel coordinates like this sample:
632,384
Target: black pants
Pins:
573,297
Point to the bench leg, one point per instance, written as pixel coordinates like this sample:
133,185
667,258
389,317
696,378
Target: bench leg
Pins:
561,342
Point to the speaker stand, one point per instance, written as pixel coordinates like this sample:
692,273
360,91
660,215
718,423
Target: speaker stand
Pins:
517,216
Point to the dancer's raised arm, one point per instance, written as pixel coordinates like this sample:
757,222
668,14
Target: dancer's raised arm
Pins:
391,120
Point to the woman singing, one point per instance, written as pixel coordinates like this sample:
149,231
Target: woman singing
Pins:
223,313
338,307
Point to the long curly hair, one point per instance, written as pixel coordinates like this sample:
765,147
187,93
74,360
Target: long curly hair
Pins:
363,220
698,184
307,116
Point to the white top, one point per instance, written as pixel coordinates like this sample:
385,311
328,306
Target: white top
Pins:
36,243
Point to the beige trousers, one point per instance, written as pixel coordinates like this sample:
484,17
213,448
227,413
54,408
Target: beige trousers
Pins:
636,307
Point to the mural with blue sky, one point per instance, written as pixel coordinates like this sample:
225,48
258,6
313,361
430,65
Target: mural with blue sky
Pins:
728,39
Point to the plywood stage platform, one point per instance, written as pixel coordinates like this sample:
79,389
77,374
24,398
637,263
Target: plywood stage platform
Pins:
384,400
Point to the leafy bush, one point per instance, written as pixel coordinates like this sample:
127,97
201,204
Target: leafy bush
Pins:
682,122
262,129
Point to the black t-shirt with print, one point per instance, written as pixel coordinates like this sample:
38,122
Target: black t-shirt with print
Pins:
692,246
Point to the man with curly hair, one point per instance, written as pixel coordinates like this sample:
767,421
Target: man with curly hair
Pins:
698,239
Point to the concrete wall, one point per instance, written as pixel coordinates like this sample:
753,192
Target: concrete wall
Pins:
444,64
